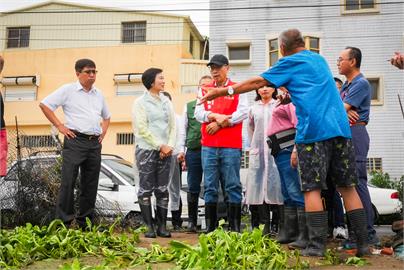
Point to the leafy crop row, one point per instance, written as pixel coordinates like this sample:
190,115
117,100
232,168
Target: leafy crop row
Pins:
217,250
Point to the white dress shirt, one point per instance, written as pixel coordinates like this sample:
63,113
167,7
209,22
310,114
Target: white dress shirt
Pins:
83,110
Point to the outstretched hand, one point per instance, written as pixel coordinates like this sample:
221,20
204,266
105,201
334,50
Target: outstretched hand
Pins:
398,60
212,93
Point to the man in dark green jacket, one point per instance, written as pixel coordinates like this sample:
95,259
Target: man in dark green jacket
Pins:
192,143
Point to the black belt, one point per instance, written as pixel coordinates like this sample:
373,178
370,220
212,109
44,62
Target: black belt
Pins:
281,140
86,136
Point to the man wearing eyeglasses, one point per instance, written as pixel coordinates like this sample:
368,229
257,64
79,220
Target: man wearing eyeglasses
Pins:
221,145
356,95
84,109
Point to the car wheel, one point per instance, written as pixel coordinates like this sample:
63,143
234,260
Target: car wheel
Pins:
375,215
133,220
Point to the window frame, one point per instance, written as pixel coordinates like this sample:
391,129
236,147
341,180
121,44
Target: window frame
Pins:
372,164
344,11
239,44
19,37
273,51
380,91
306,38
134,36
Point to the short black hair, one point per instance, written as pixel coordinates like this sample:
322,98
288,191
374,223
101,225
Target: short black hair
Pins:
149,76
167,95
82,63
355,53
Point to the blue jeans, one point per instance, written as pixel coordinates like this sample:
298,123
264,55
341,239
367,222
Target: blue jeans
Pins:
221,163
193,160
290,180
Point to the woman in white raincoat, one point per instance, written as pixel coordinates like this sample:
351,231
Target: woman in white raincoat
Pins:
263,186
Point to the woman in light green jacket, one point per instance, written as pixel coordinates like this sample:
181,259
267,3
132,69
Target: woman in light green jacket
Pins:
155,133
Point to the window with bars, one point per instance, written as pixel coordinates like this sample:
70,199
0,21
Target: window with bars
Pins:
374,164
125,138
18,37
360,5
37,141
133,32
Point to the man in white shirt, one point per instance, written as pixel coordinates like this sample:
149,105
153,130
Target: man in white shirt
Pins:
84,109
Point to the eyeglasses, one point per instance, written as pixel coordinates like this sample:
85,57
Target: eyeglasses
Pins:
342,59
89,71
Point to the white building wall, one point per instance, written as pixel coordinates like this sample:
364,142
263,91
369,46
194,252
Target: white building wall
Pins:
378,35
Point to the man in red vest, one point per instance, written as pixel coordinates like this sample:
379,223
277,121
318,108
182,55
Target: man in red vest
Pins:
221,144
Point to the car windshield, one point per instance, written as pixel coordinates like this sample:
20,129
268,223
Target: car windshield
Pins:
122,167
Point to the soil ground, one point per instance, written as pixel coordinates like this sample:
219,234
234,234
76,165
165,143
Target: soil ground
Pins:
375,261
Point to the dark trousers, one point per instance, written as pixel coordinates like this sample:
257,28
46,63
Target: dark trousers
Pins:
360,140
194,165
85,154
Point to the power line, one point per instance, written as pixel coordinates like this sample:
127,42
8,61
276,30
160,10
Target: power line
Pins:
222,22
197,9
183,40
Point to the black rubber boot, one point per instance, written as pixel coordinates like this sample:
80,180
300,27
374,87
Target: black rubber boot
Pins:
302,238
146,210
275,219
289,229
192,199
211,216
317,226
267,216
176,219
234,217
255,216
358,222
161,216
281,231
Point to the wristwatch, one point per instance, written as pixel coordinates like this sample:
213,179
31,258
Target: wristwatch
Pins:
230,91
